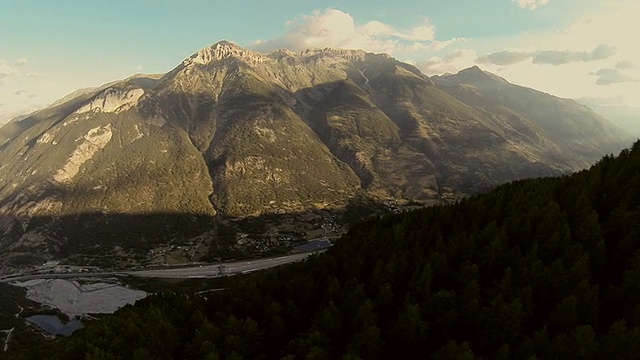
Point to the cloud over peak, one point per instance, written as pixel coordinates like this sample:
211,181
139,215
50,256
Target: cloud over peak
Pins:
450,63
335,28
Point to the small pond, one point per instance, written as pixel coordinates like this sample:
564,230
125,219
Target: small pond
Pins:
52,324
313,245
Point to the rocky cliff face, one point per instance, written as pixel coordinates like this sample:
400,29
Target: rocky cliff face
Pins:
235,132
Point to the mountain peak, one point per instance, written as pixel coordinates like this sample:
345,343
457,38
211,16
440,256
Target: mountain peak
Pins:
282,53
226,43
474,71
472,75
222,50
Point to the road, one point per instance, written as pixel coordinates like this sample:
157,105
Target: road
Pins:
229,268
222,269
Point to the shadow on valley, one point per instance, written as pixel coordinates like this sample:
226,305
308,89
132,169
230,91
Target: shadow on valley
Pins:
98,235
133,240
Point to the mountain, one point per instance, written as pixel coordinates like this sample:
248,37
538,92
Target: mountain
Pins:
6,117
625,117
557,124
233,132
535,269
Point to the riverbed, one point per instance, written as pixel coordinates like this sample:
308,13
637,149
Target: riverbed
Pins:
75,299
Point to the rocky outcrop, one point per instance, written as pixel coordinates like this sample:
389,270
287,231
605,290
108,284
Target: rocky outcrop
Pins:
112,100
221,51
95,140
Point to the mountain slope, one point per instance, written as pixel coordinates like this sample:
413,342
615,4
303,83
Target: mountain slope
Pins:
625,117
234,132
558,124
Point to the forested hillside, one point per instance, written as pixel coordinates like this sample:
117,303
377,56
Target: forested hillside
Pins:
545,268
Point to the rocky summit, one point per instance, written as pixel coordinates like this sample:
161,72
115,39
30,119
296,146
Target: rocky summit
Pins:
234,132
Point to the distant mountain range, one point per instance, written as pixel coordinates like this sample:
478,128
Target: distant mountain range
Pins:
625,117
235,132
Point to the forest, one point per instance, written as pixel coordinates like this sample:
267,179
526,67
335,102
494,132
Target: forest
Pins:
535,269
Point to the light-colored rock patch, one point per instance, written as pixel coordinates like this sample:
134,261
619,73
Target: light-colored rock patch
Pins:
45,138
96,139
139,133
265,133
248,164
223,50
255,166
112,100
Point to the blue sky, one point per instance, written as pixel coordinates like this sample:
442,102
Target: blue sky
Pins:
570,48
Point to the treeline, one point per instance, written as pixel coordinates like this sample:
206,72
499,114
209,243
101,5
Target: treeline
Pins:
536,269
9,306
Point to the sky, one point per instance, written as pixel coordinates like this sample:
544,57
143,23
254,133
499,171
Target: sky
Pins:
568,48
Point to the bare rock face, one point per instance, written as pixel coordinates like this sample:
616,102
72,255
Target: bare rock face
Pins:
95,140
223,50
112,100
235,132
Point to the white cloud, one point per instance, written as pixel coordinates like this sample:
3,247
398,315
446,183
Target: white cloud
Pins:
335,28
612,76
624,65
555,57
321,29
6,70
22,89
22,61
439,45
450,63
425,32
530,4
551,57
504,57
